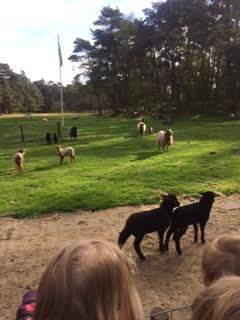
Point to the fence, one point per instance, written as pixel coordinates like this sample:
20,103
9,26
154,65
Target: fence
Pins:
30,130
178,313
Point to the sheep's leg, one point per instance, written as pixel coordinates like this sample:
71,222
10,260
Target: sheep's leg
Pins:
137,248
61,160
161,236
177,237
202,227
195,226
168,236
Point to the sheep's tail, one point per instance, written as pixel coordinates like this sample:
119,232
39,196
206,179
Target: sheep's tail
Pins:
123,236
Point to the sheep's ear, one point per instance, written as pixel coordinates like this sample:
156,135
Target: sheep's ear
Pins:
163,195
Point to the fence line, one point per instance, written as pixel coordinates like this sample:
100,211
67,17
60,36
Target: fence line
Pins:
168,312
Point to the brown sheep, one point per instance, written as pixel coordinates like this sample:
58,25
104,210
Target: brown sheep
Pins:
18,159
66,152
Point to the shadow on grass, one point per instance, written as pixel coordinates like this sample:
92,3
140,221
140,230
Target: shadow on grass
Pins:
146,155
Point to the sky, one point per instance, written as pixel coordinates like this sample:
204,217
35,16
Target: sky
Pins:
29,29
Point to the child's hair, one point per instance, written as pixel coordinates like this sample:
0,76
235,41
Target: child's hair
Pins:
90,280
221,257
219,301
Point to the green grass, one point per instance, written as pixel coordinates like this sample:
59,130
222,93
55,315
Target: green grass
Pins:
113,167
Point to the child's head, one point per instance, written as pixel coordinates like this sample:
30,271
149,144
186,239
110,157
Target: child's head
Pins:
90,280
221,257
220,301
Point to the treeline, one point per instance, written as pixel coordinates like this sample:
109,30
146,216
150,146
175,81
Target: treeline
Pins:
183,56
19,94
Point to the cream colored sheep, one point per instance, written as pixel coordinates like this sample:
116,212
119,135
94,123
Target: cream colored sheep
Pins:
18,159
141,128
66,152
164,139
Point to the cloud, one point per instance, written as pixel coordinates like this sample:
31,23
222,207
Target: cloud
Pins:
29,29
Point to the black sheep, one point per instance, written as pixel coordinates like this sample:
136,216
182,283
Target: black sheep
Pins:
191,214
55,138
141,223
73,133
48,138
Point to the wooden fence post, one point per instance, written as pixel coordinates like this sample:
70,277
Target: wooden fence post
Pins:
59,129
22,134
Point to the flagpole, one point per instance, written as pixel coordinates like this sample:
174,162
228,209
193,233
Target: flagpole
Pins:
61,89
61,94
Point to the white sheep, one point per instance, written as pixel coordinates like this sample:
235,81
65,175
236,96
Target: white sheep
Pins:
45,119
18,159
66,152
141,128
164,139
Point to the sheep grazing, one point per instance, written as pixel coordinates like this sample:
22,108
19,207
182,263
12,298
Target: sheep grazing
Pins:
45,119
18,159
55,138
48,138
150,130
66,152
191,214
73,133
141,223
164,139
75,117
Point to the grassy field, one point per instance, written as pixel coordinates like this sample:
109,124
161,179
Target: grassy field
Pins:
113,167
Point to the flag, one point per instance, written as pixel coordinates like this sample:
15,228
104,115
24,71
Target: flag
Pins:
60,54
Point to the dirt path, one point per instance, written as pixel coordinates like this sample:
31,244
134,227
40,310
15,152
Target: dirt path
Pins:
163,280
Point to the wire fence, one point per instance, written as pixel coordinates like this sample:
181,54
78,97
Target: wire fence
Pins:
178,313
31,130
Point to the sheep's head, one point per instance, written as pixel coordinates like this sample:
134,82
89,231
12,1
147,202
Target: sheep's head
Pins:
22,151
169,132
58,148
170,200
209,195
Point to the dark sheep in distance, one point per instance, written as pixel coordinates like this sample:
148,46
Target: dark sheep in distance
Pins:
191,214
55,138
73,133
155,220
48,138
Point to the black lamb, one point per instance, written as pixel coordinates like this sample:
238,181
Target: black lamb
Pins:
141,223
48,138
73,133
192,214
55,138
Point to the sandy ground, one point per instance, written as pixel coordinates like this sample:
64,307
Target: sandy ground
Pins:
163,280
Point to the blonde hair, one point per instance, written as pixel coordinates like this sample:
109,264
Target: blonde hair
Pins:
221,257
90,280
220,301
